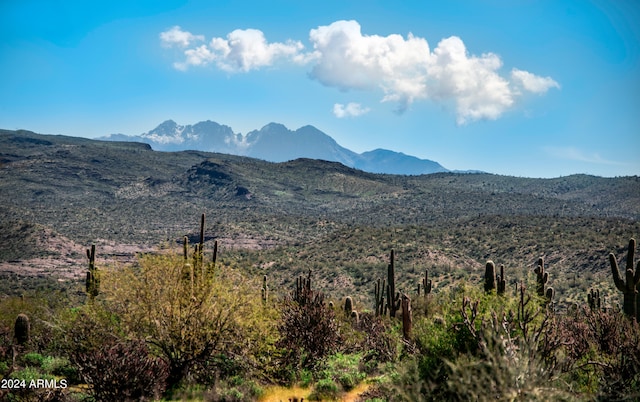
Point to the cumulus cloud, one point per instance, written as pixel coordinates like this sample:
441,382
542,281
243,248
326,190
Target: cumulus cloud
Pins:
198,56
346,59
177,37
350,110
248,49
242,50
403,69
472,82
533,83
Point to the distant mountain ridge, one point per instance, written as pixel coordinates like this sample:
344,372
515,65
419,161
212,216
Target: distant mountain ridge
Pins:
276,143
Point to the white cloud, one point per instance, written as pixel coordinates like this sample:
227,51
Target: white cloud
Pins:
472,82
245,50
177,37
195,57
404,69
241,51
350,110
346,59
532,82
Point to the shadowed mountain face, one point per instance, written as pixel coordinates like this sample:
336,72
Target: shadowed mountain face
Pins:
276,143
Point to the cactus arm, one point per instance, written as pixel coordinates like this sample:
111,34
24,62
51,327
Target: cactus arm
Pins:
630,253
617,279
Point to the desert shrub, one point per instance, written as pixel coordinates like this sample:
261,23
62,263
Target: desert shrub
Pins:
343,369
234,389
30,373
33,359
379,344
123,371
325,389
188,315
308,329
614,357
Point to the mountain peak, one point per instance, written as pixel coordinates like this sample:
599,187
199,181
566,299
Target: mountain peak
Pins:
166,124
274,142
274,127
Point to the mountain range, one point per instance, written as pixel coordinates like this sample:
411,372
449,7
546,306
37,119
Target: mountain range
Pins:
276,143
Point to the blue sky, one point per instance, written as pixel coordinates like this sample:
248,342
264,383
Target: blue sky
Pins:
524,88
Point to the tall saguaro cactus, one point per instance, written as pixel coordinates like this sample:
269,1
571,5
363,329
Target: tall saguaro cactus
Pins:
212,266
201,247
92,283
393,297
379,289
629,285
265,290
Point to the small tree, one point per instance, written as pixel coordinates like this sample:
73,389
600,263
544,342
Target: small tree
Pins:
187,321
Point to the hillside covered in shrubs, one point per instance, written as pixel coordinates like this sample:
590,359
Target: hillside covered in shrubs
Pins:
308,279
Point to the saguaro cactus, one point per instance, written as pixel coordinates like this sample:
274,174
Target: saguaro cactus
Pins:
201,244
426,283
92,283
212,266
393,297
265,290
379,289
501,281
22,329
628,286
355,317
489,277
407,320
348,306
593,298
548,295
541,277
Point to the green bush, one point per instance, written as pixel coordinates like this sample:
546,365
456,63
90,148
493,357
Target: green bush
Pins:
30,373
343,369
325,389
33,359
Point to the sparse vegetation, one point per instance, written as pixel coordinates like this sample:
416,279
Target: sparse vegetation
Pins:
381,285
